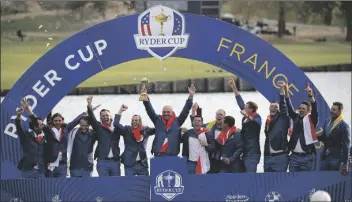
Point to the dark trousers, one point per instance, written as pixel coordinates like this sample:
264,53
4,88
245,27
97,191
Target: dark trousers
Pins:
330,163
136,169
251,162
80,173
191,167
34,173
58,172
215,166
301,162
234,167
278,163
108,168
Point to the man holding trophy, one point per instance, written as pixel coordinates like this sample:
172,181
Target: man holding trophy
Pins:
167,135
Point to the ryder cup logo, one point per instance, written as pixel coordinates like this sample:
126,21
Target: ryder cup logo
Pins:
161,32
273,196
168,185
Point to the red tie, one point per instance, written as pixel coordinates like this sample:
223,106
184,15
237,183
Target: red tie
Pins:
39,139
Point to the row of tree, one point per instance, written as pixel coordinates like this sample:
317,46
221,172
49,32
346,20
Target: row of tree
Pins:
323,8
303,9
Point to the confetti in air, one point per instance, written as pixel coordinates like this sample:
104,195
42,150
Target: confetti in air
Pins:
47,44
45,31
105,83
56,27
50,38
40,26
29,50
134,78
165,69
9,21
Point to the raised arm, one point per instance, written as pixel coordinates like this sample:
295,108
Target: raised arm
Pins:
117,118
19,128
194,112
314,112
239,99
282,103
185,111
291,112
74,122
48,118
239,148
92,119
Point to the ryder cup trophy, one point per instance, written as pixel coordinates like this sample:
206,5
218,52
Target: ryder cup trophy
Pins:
161,18
144,95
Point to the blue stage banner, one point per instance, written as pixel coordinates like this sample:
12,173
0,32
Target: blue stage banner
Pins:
159,32
169,181
76,189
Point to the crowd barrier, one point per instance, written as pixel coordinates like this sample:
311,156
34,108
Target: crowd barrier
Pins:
169,181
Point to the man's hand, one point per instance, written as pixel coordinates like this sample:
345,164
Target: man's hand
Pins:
282,86
192,90
226,160
24,103
204,143
244,113
123,108
184,130
89,100
344,170
194,109
232,84
309,90
19,112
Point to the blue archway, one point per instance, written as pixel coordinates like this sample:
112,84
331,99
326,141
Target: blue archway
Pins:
113,42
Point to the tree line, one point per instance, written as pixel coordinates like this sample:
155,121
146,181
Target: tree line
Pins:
325,10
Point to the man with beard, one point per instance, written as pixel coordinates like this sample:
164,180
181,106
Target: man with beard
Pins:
231,147
214,128
56,134
251,124
303,136
135,138
337,139
167,126
80,149
276,130
32,164
197,143
107,151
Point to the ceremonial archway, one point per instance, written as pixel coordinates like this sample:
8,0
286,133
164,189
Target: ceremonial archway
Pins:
134,37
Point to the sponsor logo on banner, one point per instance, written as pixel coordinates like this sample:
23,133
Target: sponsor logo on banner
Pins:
56,198
237,198
161,32
168,185
16,200
273,196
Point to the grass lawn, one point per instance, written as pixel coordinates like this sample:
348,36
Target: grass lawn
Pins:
17,57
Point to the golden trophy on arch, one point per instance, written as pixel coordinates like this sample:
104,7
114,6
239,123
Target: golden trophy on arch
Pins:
144,96
161,18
